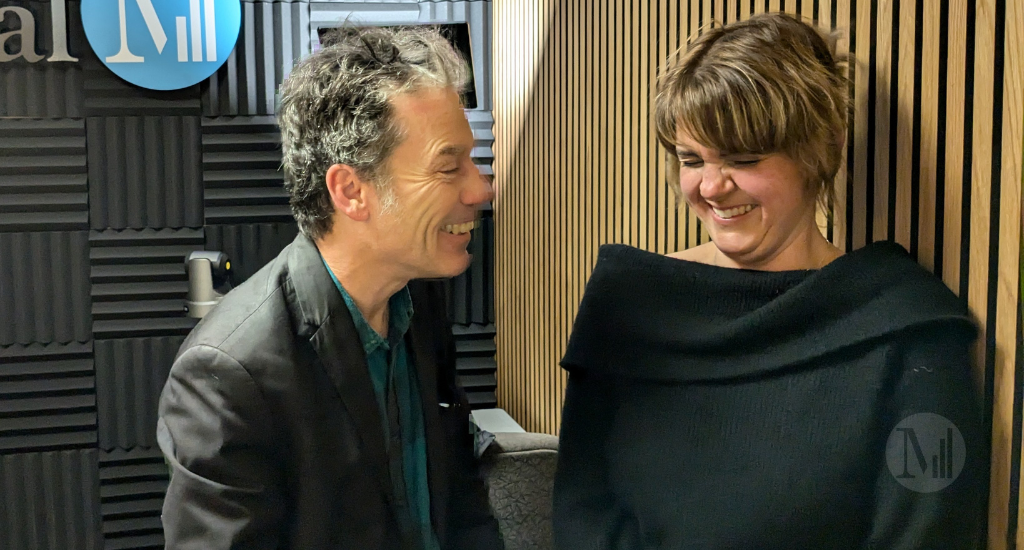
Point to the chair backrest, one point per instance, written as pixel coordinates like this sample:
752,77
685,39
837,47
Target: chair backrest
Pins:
519,471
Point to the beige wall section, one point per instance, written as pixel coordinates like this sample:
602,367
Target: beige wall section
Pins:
933,162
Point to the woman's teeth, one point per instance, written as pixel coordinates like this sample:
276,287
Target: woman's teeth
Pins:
733,212
459,228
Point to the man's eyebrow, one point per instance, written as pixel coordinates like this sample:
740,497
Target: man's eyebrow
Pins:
684,152
451,151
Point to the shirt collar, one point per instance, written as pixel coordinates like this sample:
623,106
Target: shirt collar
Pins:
399,318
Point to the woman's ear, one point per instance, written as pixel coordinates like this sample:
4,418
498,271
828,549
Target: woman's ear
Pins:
839,140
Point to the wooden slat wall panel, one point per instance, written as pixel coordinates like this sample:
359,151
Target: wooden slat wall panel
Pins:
933,161
1012,176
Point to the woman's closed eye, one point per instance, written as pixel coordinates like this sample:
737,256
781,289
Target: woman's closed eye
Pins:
744,161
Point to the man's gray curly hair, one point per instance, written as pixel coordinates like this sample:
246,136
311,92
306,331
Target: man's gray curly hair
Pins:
336,109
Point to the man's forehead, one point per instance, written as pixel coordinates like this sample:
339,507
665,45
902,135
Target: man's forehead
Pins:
426,101
433,122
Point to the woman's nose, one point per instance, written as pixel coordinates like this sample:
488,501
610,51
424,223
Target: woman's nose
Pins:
714,182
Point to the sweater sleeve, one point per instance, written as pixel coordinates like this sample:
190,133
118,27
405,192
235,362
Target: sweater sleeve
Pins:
586,512
921,513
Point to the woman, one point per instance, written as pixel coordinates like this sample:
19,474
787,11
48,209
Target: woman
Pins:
760,391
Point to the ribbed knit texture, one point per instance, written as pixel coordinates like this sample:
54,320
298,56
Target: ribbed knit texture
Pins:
720,408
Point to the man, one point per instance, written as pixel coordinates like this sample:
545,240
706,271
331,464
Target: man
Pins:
316,406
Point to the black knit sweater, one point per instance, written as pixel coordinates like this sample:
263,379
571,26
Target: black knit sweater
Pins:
714,408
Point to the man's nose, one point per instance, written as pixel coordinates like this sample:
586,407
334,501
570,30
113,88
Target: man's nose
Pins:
478,190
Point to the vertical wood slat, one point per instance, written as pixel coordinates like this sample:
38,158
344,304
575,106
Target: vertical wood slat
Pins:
884,104
548,42
806,10
840,23
977,289
667,35
861,52
955,100
645,222
630,187
549,196
693,226
904,131
617,198
929,133
671,204
577,165
1011,232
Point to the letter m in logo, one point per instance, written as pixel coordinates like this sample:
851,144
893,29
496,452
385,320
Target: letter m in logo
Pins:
156,31
910,441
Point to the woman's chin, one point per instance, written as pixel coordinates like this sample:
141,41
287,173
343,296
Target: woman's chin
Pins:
733,245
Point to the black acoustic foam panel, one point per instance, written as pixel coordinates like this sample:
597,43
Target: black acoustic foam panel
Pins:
43,175
44,287
471,294
50,501
242,177
475,363
139,282
144,172
250,246
132,487
130,373
105,94
274,35
47,398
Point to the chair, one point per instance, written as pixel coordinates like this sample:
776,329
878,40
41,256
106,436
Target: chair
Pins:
519,472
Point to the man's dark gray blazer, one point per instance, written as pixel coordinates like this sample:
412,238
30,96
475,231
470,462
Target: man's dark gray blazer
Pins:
273,432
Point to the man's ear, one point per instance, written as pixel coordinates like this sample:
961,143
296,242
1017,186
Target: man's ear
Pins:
349,192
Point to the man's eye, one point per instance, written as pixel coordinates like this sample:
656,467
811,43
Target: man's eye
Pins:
451,171
745,162
690,163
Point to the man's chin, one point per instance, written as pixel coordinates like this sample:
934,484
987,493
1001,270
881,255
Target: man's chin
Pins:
448,269
461,266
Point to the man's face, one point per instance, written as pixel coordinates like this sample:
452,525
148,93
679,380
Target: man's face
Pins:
437,188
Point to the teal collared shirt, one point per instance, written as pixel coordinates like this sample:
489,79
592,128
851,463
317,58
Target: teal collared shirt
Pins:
388,358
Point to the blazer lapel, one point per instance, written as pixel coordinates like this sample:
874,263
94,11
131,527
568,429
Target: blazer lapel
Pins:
321,315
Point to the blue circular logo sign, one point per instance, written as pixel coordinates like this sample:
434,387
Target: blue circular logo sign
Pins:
162,44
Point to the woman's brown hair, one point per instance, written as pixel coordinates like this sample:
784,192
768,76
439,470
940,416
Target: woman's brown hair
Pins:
770,84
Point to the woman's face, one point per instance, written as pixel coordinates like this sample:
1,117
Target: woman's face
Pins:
755,207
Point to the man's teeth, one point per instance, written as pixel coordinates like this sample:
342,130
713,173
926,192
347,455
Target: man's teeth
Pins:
733,212
459,228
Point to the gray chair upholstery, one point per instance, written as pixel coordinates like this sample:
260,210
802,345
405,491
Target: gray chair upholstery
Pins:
519,471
